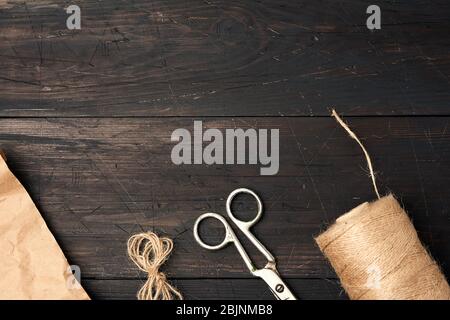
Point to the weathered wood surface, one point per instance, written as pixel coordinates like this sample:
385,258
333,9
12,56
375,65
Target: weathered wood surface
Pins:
86,118
193,58
218,289
97,181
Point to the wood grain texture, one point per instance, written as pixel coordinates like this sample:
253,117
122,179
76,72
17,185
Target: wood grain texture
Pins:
97,181
86,118
218,289
235,58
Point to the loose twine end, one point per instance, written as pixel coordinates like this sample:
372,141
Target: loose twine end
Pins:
149,252
353,136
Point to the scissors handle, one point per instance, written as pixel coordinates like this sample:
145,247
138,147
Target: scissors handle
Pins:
230,236
230,199
245,226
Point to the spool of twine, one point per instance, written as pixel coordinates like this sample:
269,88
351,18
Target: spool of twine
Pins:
377,254
149,252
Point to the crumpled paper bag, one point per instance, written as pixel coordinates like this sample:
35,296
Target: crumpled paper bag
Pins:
32,265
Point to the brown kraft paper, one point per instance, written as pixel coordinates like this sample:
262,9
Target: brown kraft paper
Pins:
32,265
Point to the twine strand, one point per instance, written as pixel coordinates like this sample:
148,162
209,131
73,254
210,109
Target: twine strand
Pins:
149,252
369,161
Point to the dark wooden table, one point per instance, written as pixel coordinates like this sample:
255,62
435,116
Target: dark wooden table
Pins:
87,116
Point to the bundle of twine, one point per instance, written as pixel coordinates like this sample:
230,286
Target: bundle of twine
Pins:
376,252
149,252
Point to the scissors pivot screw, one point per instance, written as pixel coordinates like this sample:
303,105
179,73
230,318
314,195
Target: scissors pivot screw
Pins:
279,288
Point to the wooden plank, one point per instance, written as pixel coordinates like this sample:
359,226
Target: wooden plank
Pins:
217,289
170,58
97,181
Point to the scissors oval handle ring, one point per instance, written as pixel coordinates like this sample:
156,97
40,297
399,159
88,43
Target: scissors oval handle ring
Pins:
245,224
229,234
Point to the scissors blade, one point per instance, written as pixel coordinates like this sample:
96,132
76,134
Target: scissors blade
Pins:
276,284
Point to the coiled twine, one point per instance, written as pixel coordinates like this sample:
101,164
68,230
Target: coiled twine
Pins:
377,254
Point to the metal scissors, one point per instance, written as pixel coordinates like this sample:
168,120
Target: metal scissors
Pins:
269,273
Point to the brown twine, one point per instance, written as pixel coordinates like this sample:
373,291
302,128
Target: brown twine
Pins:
377,254
353,135
149,252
